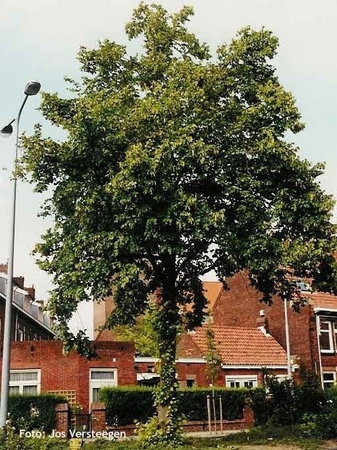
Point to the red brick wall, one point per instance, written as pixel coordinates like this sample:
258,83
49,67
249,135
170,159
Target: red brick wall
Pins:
98,416
71,371
192,370
62,418
188,370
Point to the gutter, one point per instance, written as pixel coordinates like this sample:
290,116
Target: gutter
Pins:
251,366
318,333
320,309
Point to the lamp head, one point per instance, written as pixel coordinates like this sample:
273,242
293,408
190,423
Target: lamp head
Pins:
32,87
7,130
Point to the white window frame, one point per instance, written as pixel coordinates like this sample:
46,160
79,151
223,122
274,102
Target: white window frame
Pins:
330,331
334,336
100,383
21,384
325,382
240,380
282,378
20,335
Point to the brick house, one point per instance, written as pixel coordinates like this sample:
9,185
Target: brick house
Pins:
42,366
38,363
323,309
312,332
244,350
244,353
29,320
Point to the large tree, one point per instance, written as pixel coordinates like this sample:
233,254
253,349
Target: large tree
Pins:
176,163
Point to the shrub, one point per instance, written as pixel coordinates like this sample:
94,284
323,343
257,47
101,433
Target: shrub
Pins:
324,424
285,403
11,440
31,412
127,405
260,405
192,403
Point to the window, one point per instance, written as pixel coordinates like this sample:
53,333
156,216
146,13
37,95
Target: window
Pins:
190,381
329,379
328,336
240,381
303,286
20,335
25,382
101,378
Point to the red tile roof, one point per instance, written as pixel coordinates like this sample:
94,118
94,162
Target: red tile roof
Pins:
243,346
323,300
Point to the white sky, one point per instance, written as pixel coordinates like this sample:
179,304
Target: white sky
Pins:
39,39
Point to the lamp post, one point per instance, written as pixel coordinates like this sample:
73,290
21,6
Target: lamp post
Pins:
32,88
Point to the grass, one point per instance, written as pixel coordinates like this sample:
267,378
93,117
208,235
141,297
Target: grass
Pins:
267,437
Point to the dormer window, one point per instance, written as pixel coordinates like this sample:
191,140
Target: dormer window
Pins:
303,286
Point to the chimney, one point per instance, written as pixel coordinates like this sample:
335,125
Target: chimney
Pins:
3,268
262,322
19,281
31,291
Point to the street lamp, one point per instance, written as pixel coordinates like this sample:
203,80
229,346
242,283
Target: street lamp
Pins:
32,88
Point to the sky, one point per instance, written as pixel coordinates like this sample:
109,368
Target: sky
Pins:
39,40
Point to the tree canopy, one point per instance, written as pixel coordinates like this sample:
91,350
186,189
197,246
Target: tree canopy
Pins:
142,333
176,163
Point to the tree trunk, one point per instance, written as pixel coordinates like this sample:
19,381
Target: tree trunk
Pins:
168,324
167,353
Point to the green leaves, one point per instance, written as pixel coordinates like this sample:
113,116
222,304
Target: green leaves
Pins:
174,164
142,333
212,357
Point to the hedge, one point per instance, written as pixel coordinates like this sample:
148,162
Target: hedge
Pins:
192,403
279,403
127,405
33,411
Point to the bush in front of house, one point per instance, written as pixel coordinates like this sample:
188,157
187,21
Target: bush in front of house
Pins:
261,407
128,405
278,403
192,403
284,403
33,412
324,423
281,403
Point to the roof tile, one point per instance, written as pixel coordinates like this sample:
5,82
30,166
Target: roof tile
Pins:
323,300
243,346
